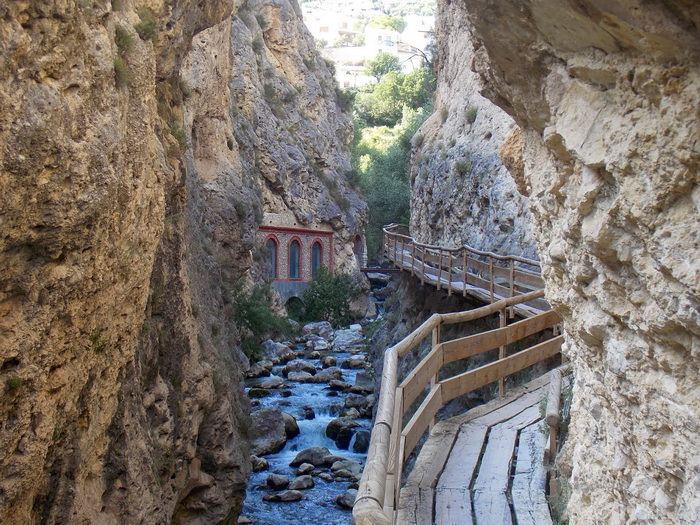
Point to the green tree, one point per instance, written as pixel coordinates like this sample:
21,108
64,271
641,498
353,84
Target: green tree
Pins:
382,64
395,23
328,297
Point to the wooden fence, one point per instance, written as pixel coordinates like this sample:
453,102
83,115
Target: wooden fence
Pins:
466,270
392,440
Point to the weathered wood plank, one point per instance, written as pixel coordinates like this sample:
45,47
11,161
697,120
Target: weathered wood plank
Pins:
476,344
422,418
491,485
470,381
528,490
452,496
421,375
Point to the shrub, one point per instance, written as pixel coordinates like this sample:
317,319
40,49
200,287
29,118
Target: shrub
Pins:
418,140
229,144
262,21
121,73
147,27
253,315
346,97
444,113
258,44
328,297
471,115
15,382
123,39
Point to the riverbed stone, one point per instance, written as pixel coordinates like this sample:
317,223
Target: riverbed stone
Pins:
364,383
348,465
347,499
257,370
267,431
328,361
326,476
272,382
357,401
356,362
341,386
291,428
308,412
298,365
313,455
346,340
277,481
361,444
341,431
300,377
277,352
286,393
305,468
302,483
259,464
350,412
327,375
257,393
287,496
314,355
322,328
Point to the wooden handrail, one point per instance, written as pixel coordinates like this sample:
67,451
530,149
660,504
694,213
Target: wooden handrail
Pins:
391,442
494,277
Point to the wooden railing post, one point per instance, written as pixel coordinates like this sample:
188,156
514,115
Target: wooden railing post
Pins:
449,274
464,273
413,257
439,275
434,379
491,277
502,353
422,272
512,285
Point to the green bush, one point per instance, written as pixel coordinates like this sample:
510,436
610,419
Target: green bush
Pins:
328,297
123,39
121,73
471,115
15,382
147,27
253,315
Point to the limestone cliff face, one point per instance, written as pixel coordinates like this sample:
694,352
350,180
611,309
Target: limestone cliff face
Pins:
129,198
607,96
461,191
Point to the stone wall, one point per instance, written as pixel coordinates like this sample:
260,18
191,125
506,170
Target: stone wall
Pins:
607,96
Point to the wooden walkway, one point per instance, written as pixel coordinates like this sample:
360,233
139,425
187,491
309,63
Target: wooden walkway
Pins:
483,467
486,276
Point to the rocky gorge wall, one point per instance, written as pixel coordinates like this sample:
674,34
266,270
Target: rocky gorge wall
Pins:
607,95
461,191
141,144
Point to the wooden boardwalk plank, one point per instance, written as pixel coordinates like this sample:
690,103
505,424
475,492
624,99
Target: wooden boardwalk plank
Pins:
491,485
528,491
452,496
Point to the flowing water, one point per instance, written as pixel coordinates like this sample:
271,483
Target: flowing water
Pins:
318,505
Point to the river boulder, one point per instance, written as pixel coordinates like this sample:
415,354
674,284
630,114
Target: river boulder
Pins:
271,382
314,455
347,499
348,340
327,375
286,496
322,328
257,370
302,483
277,482
267,431
298,365
356,362
341,431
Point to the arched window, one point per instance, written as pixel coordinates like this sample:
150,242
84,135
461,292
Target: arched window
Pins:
295,260
271,246
316,258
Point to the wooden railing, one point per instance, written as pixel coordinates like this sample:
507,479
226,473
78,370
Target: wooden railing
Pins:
392,440
486,275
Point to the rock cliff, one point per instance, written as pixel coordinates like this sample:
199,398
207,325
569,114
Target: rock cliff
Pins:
461,191
141,144
606,95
